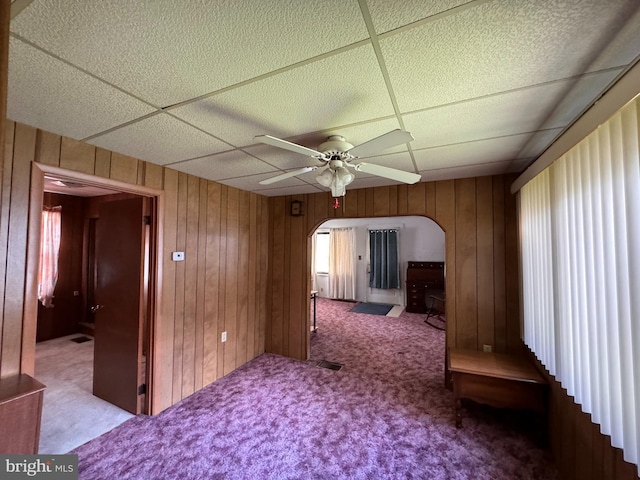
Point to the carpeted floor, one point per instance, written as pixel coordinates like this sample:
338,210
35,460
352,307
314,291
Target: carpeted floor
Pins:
71,414
384,415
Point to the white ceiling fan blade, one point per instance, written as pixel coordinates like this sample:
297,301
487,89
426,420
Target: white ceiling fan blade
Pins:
386,172
292,147
376,145
284,176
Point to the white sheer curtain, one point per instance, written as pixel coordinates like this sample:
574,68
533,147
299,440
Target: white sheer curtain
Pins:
580,234
49,251
342,275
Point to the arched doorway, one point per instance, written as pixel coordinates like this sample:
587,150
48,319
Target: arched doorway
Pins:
421,240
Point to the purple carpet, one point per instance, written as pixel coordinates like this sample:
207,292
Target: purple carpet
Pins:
384,415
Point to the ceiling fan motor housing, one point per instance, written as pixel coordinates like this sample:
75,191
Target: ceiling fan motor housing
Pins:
335,148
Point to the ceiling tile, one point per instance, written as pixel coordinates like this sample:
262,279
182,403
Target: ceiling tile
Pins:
166,51
470,153
499,46
467,171
343,89
389,15
371,181
510,113
160,139
538,142
252,182
401,161
61,99
282,159
224,165
484,86
300,190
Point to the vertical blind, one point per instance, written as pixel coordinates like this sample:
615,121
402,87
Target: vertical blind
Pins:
580,247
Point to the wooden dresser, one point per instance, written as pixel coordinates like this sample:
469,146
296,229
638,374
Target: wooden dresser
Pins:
423,278
20,412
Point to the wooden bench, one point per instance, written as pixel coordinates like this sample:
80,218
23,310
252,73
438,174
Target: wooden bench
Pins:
495,379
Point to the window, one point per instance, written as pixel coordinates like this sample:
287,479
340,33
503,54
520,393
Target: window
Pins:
322,252
580,231
49,251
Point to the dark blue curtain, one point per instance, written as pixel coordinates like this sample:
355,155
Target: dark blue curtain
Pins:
383,259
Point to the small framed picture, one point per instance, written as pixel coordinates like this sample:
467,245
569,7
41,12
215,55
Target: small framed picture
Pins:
296,208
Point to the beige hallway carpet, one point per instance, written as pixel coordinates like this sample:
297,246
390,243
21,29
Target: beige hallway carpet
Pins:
71,414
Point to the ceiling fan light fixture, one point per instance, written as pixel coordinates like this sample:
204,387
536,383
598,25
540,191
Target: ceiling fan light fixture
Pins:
344,176
325,178
337,190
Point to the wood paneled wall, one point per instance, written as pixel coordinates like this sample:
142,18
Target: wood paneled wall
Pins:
580,450
221,285
478,216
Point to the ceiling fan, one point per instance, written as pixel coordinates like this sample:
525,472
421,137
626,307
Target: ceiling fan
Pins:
337,154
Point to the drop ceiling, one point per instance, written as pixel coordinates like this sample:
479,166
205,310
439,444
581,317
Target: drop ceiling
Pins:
483,86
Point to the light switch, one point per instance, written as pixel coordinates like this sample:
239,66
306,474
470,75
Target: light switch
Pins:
178,256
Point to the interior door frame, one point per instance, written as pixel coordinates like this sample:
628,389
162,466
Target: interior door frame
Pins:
30,310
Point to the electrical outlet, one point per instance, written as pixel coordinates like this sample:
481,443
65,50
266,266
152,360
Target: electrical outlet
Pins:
486,348
177,256
224,337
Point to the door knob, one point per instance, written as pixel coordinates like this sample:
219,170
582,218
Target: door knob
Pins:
95,308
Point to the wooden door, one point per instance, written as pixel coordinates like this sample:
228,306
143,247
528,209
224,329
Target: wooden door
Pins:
119,309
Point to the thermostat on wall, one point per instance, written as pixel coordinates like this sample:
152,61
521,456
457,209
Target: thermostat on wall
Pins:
178,256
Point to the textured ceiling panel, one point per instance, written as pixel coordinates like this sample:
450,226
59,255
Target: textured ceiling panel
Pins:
252,182
56,97
470,153
467,171
167,51
389,15
538,142
280,158
484,86
160,139
519,111
500,46
278,191
224,165
342,89
401,161
371,181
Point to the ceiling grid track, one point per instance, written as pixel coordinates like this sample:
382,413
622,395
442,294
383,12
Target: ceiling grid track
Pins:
366,15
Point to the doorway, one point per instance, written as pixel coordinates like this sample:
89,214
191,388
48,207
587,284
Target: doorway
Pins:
348,334
420,239
140,366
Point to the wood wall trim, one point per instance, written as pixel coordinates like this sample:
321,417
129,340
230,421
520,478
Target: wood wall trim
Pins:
93,180
29,317
5,15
